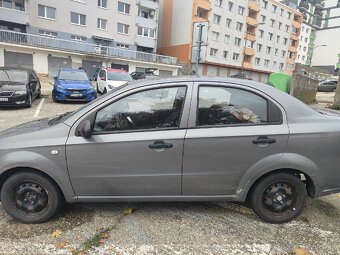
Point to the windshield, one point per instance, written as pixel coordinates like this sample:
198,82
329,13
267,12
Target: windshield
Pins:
73,76
13,76
119,76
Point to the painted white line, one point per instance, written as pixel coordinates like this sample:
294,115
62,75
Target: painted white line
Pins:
39,108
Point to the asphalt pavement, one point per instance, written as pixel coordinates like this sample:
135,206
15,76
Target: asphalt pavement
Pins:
164,228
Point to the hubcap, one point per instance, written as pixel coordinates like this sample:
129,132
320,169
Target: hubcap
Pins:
30,197
279,197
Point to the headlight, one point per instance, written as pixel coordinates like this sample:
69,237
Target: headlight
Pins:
111,87
91,88
21,92
60,87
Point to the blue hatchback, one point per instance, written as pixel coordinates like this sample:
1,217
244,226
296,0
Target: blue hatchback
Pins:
73,85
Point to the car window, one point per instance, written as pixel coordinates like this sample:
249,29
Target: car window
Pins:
73,75
223,106
150,109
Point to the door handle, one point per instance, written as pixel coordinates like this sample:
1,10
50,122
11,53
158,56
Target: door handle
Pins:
264,140
160,145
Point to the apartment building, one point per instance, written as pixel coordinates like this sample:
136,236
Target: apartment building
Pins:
257,37
48,34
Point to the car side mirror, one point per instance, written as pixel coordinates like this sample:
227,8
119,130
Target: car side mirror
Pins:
85,129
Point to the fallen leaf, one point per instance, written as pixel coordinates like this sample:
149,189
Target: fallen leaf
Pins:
60,245
128,211
56,233
105,235
301,251
71,250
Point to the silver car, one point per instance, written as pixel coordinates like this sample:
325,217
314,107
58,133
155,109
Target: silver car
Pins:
179,139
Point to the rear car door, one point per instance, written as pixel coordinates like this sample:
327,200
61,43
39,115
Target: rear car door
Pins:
136,147
232,132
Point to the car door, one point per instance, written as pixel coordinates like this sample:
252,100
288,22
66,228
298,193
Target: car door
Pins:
232,132
136,146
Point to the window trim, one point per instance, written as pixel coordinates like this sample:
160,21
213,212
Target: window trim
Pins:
45,11
185,111
270,102
77,24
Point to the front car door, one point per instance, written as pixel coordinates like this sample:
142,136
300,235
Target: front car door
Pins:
232,132
136,147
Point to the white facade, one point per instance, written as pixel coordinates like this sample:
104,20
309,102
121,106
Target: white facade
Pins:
306,31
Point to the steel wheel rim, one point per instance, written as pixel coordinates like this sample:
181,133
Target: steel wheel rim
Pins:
280,198
30,197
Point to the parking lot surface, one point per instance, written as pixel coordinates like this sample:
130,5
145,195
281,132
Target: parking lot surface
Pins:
163,228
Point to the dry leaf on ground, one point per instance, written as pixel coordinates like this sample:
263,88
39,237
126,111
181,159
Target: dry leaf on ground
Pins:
128,211
301,251
60,245
56,233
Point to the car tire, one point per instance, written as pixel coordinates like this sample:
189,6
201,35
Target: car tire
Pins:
98,91
54,98
39,94
278,198
105,91
30,197
29,100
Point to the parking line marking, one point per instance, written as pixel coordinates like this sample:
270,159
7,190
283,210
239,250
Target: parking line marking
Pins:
39,108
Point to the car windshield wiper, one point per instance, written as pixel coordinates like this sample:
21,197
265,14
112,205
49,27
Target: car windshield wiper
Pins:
56,120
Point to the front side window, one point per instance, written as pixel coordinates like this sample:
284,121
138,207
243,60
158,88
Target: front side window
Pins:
150,109
224,106
46,12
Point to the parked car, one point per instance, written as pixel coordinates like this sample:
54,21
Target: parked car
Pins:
73,85
328,85
149,73
242,76
178,139
109,78
18,86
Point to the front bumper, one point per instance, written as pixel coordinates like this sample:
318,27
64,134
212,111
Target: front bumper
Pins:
13,100
74,95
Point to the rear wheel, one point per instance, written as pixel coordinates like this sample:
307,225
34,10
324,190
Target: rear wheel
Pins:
29,100
30,197
278,198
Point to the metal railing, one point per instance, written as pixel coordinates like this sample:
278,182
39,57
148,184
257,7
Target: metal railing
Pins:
80,47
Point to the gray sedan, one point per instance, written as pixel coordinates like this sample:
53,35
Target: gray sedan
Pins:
180,139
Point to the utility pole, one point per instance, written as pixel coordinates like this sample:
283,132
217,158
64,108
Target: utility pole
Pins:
199,47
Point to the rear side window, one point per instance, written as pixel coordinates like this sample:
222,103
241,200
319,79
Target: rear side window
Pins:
227,106
151,109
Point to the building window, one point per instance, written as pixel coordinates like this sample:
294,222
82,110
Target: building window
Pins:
307,30
263,18
285,41
266,63
306,40
216,19
274,8
80,1
276,52
48,33
226,39
230,6
46,12
257,61
304,49
146,32
236,56
303,58
261,33
274,64
218,3
102,3
282,11
289,15
241,10
213,52
144,14
270,36
278,39
122,45
268,50
237,41
215,36
19,6
78,38
123,8
287,28
272,22
283,53
264,4
280,25
122,28
281,66
239,26
78,19
102,24
259,47
290,66
228,23
225,54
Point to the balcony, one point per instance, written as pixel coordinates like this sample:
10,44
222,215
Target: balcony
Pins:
14,16
292,48
203,4
145,41
296,24
249,51
149,23
251,21
16,38
153,5
294,37
291,61
254,5
251,37
248,64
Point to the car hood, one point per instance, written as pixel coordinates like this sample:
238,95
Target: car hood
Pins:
12,86
116,83
66,84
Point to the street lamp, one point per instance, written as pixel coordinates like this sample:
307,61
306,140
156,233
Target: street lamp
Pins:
312,54
245,44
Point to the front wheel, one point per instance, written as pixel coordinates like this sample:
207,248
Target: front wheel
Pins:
278,198
29,101
30,197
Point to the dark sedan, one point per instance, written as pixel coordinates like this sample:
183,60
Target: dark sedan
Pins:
18,87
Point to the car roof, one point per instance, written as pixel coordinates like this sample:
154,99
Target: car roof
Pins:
72,69
16,68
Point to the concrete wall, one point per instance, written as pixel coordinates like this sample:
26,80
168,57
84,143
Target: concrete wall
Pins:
304,88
